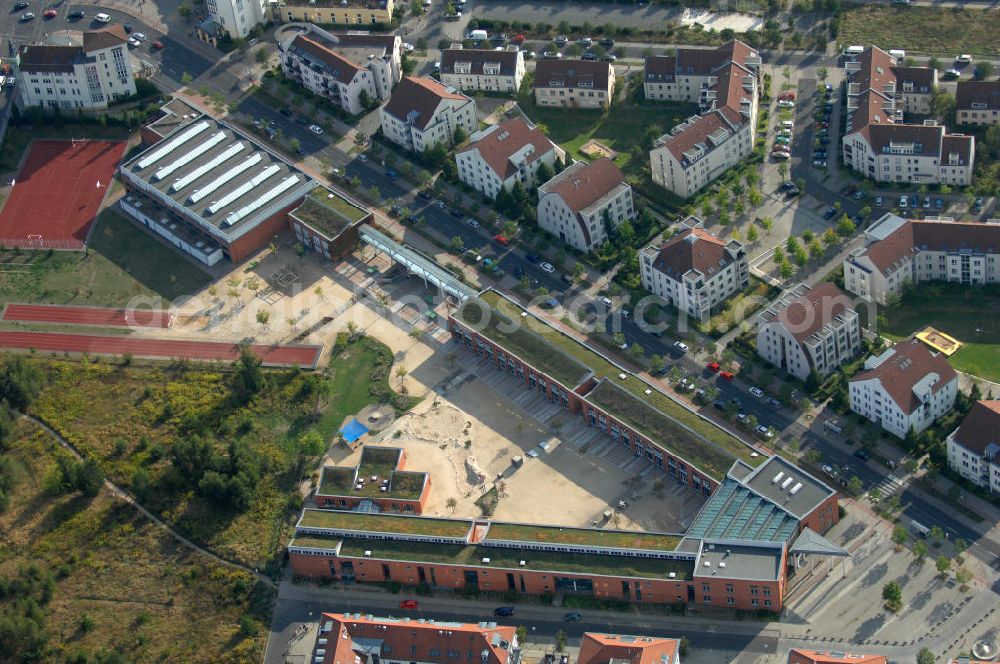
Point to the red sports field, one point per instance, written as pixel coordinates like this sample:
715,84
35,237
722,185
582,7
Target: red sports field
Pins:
55,196
72,315
275,356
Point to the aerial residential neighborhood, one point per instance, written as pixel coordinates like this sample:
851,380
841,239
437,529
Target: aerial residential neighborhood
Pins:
494,332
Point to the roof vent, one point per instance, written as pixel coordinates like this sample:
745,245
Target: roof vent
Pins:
622,376
788,480
722,564
521,563
647,391
795,489
777,478
368,554
672,575
486,561
708,563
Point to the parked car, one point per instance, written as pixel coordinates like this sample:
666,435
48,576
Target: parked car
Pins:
551,54
681,346
713,367
742,417
546,267
780,155
573,616
783,140
472,222
756,391
561,40
939,203
963,59
830,213
501,240
424,194
727,375
607,42
978,205
140,36
50,13
879,201
584,41
27,16
316,129
819,154
408,47
533,258
103,18
904,202
829,470
859,195
18,6
409,604
589,56
786,103
504,611
951,74
862,454
158,45
391,174
773,403
764,431
927,202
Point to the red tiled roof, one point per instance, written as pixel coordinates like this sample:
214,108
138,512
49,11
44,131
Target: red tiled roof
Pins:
698,131
977,92
419,95
801,656
809,313
507,138
981,428
340,67
907,366
602,648
395,639
582,184
705,253
113,35
571,73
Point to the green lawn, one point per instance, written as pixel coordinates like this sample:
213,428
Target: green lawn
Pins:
582,536
970,314
123,262
932,30
385,523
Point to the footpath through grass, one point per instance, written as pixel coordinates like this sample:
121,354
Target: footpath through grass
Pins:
221,465
923,29
111,581
968,313
123,262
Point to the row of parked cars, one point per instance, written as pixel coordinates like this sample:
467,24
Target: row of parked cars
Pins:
782,148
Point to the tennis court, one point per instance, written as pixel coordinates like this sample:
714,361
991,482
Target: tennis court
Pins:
57,193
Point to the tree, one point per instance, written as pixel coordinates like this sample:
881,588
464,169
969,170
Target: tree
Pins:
310,444
812,456
845,226
768,224
90,478
656,364
893,596
752,234
821,73
186,78
963,576
900,535
249,376
982,70
936,535
829,237
261,56
457,244
942,564
619,339
262,317
353,330
854,485
919,551
943,104
925,656
295,144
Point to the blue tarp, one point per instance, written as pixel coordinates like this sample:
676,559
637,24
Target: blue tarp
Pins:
353,430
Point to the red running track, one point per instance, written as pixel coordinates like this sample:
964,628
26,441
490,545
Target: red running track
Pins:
55,194
72,315
278,356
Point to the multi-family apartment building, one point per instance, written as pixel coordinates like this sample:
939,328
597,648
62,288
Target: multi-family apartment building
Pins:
904,388
502,155
345,638
584,202
423,113
803,656
87,77
596,648
974,447
724,84
482,69
237,17
880,145
977,102
809,329
353,13
899,252
694,270
352,70
574,83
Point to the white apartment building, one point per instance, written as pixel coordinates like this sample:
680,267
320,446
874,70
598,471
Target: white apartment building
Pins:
880,146
900,252
85,77
977,102
724,83
482,69
349,69
974,447
578,204
237,17
809,330
423,113
504,154
905,387
694,270
574,83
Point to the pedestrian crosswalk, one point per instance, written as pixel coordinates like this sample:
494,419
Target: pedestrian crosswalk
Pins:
888,485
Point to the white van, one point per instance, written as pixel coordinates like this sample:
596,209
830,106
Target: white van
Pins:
787,124
897,53
102,18
479,35
854,51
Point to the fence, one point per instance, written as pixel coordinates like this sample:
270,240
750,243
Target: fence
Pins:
38,243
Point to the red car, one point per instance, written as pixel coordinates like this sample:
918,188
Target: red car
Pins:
157,45
712,366
727,375
518,39
501,240
409,604
789,95
50,13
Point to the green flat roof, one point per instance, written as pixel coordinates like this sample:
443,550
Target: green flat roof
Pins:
528,344
582,536
569,563
315,542
713,458
329,216
377,462
385,523
706,450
